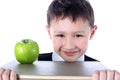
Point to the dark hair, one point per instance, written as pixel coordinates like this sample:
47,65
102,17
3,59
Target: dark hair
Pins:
60,9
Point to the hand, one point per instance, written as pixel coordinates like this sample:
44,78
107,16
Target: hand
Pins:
106,75
7,74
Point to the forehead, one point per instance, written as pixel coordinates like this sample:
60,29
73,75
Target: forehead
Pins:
69,23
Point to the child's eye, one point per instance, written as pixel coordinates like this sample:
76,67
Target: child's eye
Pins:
78,35
59,35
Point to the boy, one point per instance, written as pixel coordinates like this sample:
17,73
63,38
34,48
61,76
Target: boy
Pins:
70,26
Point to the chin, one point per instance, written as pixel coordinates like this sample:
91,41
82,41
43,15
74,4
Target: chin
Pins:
71,61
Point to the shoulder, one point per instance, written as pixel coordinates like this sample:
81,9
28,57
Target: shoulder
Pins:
45,57
87,58
48,57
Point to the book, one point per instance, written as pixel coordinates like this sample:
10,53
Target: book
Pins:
55,70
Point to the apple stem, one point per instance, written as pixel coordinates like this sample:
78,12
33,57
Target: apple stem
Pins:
25,41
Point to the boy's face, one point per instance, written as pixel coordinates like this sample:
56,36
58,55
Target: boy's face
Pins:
70,39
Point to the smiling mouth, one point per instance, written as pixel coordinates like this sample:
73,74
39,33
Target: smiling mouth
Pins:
70,53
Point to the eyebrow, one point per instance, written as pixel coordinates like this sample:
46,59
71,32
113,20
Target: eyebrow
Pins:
73,32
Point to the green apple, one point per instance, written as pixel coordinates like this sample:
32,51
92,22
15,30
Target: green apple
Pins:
26,51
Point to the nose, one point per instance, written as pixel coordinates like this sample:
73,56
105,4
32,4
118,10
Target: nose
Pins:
68,43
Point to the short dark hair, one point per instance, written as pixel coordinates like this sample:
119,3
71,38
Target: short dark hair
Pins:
60,9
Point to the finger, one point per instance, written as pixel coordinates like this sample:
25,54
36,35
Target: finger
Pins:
110,75
117,75
1,72
6,74
13,75
95,75
103,75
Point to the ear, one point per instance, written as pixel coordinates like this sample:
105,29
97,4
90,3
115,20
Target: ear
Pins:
93,30
48,30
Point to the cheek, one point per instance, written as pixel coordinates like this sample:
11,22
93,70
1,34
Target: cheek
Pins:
56,44
82,44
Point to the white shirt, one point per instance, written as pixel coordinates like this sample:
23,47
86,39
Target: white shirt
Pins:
56,57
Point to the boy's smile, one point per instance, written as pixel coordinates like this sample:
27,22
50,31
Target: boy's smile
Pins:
70,39
70,53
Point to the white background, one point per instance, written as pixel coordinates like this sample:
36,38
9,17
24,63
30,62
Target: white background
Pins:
20,19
